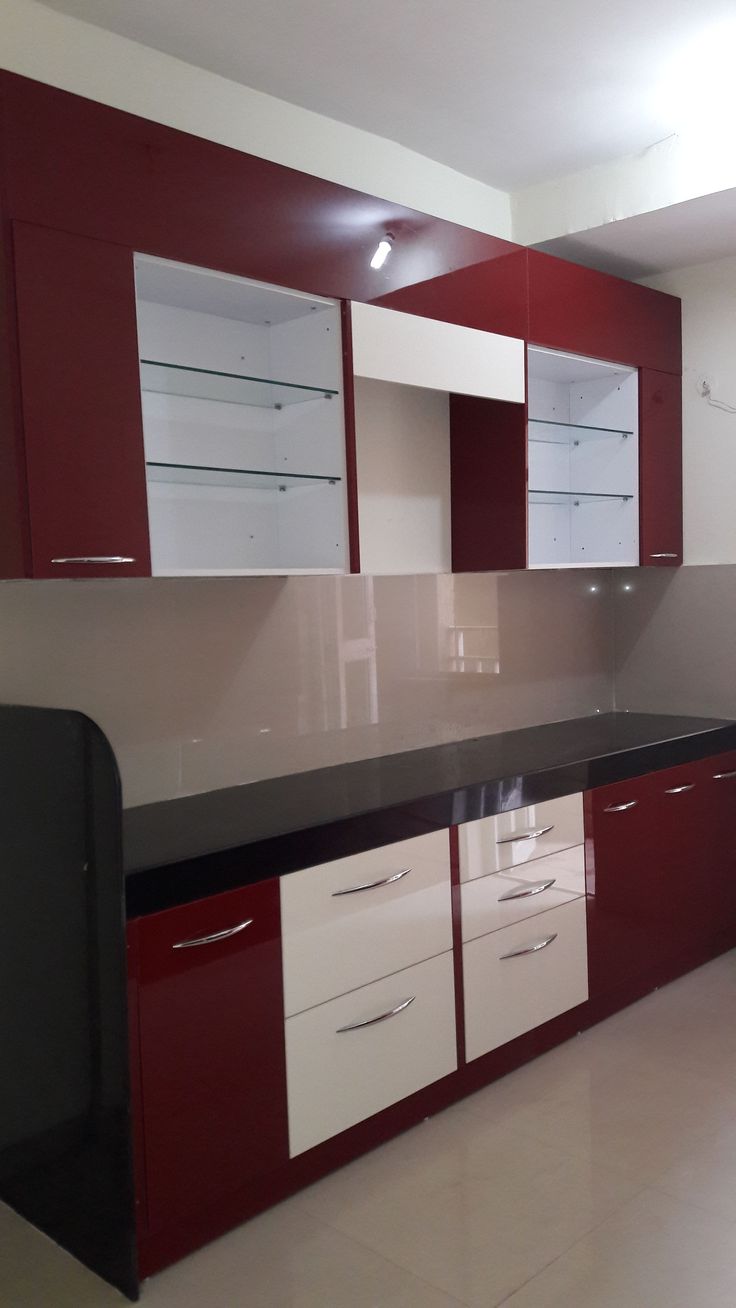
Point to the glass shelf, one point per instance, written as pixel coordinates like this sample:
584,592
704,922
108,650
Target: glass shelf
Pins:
573,498
571,428
230,387
193,474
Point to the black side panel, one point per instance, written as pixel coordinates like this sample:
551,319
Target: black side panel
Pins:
65,1142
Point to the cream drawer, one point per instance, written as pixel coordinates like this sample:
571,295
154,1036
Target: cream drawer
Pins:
508,840
356,919
490,903
514,981
337,1076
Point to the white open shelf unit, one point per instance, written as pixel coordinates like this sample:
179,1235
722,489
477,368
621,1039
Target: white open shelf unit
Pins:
243,424
583,461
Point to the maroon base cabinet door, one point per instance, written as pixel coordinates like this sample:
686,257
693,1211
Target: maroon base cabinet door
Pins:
78,347
212,1063
660,468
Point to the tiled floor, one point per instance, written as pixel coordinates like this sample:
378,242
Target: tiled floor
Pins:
600,1176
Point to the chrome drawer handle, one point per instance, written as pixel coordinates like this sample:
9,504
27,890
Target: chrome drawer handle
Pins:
678,790
525,835
723,776
382,1017
523,892
530,949
217,935
96,558
372,885
664,555
621,808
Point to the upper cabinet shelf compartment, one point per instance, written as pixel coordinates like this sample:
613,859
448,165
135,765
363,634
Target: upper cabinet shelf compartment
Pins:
391,346
241,393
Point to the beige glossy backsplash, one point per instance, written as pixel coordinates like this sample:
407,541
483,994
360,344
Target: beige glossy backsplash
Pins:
206,683
676,640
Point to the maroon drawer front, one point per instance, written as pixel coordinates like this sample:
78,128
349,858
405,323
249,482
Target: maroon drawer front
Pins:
212,1064
660,469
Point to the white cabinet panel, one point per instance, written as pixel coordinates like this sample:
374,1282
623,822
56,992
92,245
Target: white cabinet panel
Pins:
337,938
402,347
490,903
512,987
494,843
338,1077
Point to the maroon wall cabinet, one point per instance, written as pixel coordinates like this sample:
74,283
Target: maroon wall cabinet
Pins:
78,349
211,1045
589,312
660,468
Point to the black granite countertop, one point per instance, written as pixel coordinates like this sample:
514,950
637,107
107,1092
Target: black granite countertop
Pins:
183,849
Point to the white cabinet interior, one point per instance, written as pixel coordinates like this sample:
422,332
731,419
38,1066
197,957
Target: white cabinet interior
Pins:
405,369
243,424
583,461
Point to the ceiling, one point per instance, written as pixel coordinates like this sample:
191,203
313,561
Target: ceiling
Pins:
697,231
512,92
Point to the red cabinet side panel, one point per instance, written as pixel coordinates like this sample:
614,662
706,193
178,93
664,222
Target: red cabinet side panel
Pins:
81,403
488,484
589,312
212,1050
660,468
491,296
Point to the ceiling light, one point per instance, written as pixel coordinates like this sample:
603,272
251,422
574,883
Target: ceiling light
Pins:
383,250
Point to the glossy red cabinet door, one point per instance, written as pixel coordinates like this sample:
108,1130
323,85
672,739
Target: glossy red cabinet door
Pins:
491,296
660,468
78,348
212,1063
488,518
590,312
717,844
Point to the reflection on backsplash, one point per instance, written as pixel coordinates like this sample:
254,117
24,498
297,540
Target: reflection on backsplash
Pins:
206,682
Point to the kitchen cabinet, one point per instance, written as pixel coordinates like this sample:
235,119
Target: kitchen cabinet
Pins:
211,1049
85,497
660,468
659,874
368,983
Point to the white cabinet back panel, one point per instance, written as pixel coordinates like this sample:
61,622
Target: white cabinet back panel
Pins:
403,347
336,937
402,436
336,1078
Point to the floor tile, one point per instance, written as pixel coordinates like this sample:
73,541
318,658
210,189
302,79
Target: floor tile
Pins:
498,1208
706,1174
655,1252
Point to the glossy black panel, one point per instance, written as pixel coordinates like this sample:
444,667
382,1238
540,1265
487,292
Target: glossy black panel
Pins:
65,1154
188,848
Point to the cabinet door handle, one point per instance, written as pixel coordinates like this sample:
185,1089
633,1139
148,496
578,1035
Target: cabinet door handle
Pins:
95,558
678,790
523,892
621,808
216,935
723,776
372,885
664,555
531,834
530,949
382,1017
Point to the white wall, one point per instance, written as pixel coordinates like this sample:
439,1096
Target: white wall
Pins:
38,42
708,294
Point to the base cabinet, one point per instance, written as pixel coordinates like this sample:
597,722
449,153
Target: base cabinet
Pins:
212,1078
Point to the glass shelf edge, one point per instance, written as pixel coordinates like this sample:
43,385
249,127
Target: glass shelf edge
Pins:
580,426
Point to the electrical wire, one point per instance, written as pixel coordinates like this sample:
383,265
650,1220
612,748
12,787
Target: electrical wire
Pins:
723,405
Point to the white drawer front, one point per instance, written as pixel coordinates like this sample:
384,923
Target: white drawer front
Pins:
504,997
496,901
507,840
337,938
389,345
337,1078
